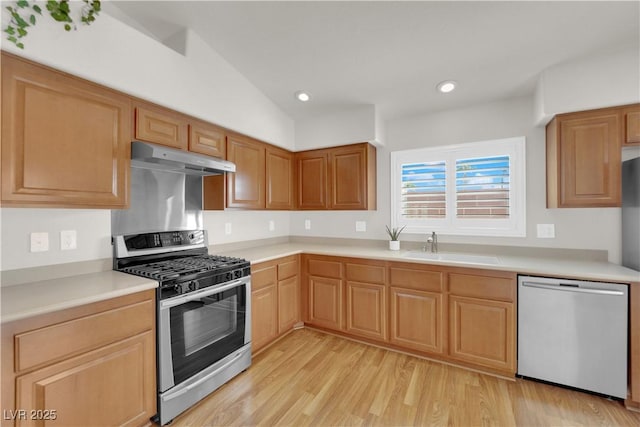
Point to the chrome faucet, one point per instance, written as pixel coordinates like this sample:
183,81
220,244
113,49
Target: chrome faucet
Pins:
432,241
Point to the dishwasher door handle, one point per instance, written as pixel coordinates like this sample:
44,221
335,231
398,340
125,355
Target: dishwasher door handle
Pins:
571,288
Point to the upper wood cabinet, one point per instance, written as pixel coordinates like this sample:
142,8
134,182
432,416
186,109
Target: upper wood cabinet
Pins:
207,139
65,141
631,124
312,179
584,159
246,187
353,177
161,126
340,178
279,179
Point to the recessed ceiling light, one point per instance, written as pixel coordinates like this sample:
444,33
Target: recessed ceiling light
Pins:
446,86
302,96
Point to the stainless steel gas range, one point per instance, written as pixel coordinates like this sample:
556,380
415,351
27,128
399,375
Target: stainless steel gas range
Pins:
203,301
203,313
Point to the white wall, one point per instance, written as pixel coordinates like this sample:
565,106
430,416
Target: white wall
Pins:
201,84
574,227
346,126
606,80
245,225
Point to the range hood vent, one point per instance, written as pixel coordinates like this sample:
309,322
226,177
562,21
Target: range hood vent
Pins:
151,156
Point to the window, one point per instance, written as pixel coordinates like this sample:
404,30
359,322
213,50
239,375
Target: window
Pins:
476,188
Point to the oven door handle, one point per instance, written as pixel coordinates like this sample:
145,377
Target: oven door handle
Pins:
197,295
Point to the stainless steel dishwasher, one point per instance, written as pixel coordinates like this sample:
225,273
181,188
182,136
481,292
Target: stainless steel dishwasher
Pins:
573,333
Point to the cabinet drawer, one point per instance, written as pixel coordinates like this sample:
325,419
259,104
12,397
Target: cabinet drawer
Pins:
55,342
366,273
416,279
497,288
263,275
287,267
317,267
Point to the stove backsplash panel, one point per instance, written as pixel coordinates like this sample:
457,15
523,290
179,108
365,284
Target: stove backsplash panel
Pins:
160,201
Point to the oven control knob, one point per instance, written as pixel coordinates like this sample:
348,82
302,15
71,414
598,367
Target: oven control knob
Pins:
228,276
193,285
178,289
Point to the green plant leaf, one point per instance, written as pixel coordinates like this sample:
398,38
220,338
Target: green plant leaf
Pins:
32,19
12,39
22,3
67,27
10,30
37,9
19,21
22,32
64,6
20,45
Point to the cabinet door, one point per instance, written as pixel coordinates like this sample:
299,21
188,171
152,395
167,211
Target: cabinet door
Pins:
632,125
65,141
264,316
482,332
589,153
417,319
367,310
349,177
161,126
207,139
287,303
313,186
112,385
325,302
279,179
245,187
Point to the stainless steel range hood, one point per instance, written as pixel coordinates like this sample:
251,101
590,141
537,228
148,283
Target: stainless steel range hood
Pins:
151,156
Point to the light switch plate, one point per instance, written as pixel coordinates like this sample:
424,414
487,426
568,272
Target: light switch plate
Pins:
546,231
307,224
39,242
272,225
68,240
227,228
361,225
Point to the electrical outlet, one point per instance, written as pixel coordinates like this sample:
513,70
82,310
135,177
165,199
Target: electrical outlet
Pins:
307,224
68,240
272,225
227,228
546,231
39,242
361,226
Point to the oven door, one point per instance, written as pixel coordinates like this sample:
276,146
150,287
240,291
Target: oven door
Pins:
198,329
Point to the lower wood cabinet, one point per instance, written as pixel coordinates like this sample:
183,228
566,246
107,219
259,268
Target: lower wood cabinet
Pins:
417,320
275,306
264,313
461,315
482,321
367,310
482,332
325,302
90,365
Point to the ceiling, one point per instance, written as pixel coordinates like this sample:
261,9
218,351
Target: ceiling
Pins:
392,54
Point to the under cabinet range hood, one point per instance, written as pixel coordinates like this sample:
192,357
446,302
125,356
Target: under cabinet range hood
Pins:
157,157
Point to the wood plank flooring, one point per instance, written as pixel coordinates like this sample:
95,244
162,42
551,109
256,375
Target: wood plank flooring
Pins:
311,378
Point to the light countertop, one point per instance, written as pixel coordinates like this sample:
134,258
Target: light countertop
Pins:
30,299
588,270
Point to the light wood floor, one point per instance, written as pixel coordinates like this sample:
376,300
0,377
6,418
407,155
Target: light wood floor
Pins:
311,378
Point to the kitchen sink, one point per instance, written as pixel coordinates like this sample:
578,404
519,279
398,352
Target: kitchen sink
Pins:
453,257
